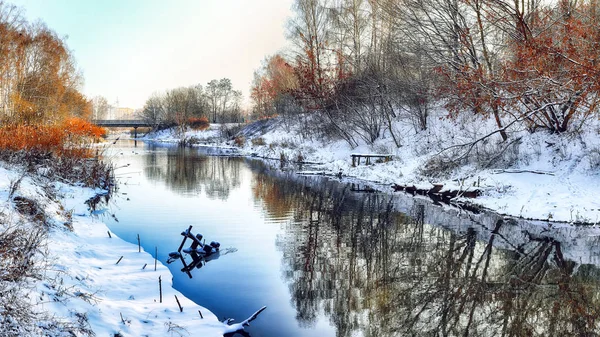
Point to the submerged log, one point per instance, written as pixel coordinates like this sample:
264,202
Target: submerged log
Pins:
437,192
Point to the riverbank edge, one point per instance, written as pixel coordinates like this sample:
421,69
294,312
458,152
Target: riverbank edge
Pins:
92,281
546,189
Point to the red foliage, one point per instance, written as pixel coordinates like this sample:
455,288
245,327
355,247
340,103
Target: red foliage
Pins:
196,123
547,76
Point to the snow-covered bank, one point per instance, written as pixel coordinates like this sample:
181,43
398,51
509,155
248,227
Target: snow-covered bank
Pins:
533,175
85,282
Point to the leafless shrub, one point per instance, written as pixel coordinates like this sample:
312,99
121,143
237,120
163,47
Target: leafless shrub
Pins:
20,261
259,141
440,166
239,141
593,159
496,155
14,186
229,131
91,172
175,330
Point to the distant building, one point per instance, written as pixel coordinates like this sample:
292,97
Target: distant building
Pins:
121,113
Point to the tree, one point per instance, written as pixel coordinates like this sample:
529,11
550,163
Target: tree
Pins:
39,80
100,107
154,111
272,86
223,101
554,70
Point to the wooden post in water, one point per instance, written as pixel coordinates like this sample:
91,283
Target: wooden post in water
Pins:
185,236
109,236
139,244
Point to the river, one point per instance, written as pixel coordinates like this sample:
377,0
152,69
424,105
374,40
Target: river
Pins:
328,260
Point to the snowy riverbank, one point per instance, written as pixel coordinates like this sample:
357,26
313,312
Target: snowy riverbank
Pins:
536,176
80,280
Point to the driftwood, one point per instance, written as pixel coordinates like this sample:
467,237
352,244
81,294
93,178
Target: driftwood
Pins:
199,251
237,327
437,193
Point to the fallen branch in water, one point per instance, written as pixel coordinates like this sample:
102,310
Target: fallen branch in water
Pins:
233,328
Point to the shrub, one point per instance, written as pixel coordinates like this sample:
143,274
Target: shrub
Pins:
229,131
62,148
196,123
239,141
258,141
67,138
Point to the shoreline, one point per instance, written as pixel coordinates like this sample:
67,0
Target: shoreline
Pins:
539,187
89,282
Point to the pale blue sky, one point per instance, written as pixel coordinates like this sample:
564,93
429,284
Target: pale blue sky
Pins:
132,48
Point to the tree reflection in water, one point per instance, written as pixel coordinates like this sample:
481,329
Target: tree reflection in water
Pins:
191,174
377,272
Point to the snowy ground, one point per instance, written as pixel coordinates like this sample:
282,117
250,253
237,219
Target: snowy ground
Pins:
542,176
80,285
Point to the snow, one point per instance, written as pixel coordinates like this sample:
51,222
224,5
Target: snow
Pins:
82,284
544,176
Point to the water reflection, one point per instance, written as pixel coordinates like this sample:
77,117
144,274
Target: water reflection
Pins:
377,272
187,173
329,261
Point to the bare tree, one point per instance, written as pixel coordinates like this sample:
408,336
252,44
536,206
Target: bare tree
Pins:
154,111
100,107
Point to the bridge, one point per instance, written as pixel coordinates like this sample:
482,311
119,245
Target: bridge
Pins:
122,123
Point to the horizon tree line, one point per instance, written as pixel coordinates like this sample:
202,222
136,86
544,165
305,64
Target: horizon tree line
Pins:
218,102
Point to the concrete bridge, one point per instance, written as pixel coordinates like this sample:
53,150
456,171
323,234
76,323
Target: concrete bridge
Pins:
122,123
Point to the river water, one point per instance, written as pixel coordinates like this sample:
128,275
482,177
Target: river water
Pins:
328,260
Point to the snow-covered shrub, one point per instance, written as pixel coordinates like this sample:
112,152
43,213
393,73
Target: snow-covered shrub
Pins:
228,131
258,141
20,245
442,166
593,160
495,154
239,141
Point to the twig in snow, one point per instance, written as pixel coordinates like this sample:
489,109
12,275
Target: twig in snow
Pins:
179,304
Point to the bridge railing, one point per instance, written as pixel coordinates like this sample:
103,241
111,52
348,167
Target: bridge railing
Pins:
121,122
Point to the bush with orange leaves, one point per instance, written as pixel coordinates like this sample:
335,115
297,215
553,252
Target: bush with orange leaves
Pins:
67,138
196,123
63,149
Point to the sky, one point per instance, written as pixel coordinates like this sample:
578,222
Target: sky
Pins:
129,49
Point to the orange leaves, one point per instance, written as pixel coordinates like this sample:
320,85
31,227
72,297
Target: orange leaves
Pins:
79,127
67,138
196,123
275,79
555,71
546,76
38,76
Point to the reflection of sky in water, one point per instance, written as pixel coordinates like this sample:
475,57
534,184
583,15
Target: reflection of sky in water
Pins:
236,284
